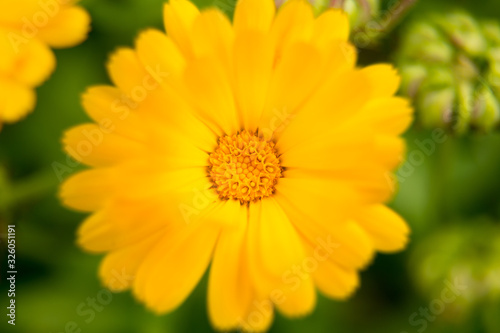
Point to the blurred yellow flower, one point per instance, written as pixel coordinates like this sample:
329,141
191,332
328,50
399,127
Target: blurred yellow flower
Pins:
27,29
256,146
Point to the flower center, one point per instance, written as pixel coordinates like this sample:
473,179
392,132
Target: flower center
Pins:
244,167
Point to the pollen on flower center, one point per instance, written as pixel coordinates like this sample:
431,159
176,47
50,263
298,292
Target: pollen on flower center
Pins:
244,167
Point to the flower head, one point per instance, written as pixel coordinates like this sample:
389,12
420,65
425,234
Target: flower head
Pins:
28,28
244,167
256,146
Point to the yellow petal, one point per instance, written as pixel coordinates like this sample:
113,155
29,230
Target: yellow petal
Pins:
88,190
391,115
171,271
16,101
389,150
367,183
108,105
98,146
149,123
327,257
273,245
109,228
142,92
356,142
210,90
147,209
274,249
213,35
117,270
179,16
230,291
370,180
259,316
66,29
351,144
14,10
253,66
138,83
384,80
303,63
334,281
96,233
354,247
128,74
164,62
254,15
387,229
34,63
312,195
91,190
331,26
9,43
294,22
300,295
334,103
345,244
160,55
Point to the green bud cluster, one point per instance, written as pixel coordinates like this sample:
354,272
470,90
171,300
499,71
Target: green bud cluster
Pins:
450,66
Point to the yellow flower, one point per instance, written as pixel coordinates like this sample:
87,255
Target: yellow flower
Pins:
27,29
256,146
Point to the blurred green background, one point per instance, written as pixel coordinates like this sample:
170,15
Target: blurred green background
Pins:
451,199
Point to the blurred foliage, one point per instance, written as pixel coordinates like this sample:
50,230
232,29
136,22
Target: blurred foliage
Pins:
443,196
458,268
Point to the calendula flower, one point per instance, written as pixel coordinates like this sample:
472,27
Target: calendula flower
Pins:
28,28
255,146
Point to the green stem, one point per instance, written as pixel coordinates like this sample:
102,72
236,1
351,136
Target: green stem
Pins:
13,194
378,27
399,12
365,9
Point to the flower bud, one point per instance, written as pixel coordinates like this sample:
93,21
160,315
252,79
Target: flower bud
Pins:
424,42
491,31
438,77
463,111
412,76
464,32
493,75
436,98
438,106
465,69
486,109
